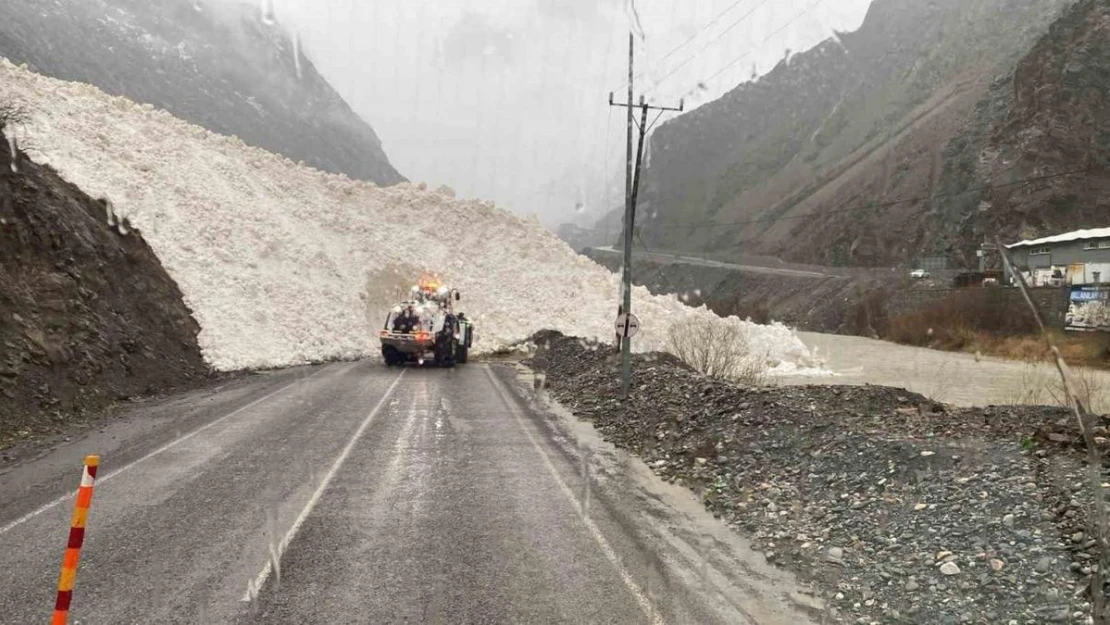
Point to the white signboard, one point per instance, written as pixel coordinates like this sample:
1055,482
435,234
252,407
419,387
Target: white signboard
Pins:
627,325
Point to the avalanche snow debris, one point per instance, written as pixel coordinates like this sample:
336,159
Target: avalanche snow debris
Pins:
278,262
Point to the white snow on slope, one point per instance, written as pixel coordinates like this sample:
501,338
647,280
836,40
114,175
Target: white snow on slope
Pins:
282,264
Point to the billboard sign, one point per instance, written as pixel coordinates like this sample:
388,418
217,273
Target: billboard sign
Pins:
1089,308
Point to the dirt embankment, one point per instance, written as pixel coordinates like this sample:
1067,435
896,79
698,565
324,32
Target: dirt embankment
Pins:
840,304
88,316
900,509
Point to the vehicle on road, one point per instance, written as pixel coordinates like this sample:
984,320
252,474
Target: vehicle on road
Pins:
919,274
426,327
1056,279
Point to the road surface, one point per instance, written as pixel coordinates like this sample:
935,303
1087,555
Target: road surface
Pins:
705,262
353,493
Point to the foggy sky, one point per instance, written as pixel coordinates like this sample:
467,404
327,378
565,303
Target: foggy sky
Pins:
507,99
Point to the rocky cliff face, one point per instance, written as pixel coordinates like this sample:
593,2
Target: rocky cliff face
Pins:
1057,120
811,161
88,316
224,67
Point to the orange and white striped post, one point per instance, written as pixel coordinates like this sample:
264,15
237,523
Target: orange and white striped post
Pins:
76,537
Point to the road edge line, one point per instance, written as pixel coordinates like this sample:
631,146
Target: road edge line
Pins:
166,447
254,587
641,597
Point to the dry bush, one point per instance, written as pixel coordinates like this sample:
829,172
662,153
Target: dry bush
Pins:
1036,378
962,321
1041,386
1088,387
1079,348
1088,348
716,350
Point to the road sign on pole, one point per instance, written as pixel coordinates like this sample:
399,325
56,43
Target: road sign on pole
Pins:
632,186
627,325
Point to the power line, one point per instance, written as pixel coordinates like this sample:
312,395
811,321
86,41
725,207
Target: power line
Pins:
702,30
872,205
690,40
764,42
731,27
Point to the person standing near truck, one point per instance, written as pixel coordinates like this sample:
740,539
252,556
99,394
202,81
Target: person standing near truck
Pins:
407,321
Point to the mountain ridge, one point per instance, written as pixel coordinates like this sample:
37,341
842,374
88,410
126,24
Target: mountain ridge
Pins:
225,67
861,120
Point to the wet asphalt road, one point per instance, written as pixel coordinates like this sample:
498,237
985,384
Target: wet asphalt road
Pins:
353,493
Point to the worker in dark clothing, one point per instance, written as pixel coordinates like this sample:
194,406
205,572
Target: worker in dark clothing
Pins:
407,321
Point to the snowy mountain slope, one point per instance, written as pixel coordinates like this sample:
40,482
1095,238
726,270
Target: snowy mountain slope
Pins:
216,64
283,264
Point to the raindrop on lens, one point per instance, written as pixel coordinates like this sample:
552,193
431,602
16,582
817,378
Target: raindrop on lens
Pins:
268,12
297,55
13,145
110,211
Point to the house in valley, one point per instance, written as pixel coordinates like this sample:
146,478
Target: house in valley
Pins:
1081,257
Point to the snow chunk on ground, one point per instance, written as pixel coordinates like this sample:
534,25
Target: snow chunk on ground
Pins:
283,265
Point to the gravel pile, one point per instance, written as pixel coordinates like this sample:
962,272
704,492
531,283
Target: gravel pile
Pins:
899,509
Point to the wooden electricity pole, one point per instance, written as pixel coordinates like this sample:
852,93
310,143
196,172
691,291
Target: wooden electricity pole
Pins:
632,187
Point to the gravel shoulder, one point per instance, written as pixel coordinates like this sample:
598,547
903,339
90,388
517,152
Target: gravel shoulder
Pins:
897,508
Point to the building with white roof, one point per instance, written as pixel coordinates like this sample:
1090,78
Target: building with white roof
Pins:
1078,258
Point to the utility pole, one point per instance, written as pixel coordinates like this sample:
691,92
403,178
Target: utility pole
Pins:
632,187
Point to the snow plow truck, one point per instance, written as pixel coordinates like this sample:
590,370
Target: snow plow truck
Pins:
426,328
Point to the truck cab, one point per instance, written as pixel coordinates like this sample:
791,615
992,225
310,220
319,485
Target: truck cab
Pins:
440,334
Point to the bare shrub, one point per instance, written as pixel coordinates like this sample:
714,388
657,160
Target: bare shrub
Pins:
956,321
1086,387
716,350
1041,386
1036,378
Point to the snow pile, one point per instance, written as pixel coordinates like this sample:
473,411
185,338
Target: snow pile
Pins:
283,264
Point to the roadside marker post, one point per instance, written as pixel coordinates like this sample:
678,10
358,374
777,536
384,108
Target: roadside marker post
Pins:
68,576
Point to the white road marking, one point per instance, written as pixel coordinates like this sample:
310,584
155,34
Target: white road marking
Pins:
638,593
255,586
111,474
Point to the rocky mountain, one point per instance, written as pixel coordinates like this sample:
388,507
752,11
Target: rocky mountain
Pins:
874,148
88,315
226,67
1051,115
